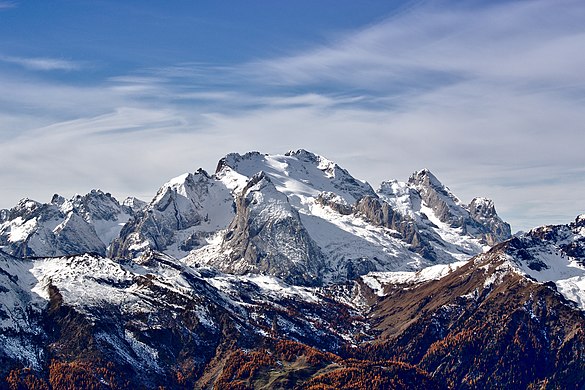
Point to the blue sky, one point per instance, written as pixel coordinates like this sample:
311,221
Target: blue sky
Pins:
124,95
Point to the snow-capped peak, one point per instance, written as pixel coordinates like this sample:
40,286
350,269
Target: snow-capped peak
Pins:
84,223
299,174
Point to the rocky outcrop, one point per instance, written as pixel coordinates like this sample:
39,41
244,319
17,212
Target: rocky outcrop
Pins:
381,213
479,219
446,206
335,202
183,211
489,226
267,237
82,224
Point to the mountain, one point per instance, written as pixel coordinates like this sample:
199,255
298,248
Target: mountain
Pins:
510,317
184,213
21,312
81,224
155,317
334,226
156,320
267,236
284,271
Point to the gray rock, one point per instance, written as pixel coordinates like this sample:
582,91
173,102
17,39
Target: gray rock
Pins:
491,227
479,219
169,222
83,224
381,213
267,237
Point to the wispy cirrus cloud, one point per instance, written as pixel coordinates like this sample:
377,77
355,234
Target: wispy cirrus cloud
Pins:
433,46
7,5
42,64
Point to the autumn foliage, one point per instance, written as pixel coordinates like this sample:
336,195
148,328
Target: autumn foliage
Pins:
367,375
68,375
242,366
21,379
290,350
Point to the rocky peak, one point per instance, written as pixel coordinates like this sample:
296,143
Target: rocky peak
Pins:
389,187
426,179
58,200
304,155
97,205
84,223
181,198
183,211
134,204
491,227
550,253
380,213
294,173
267,237
482,208
26,208
231,160
446,206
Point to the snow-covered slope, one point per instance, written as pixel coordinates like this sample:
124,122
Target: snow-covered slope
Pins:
82,224
553,253
301,175
451,228
185,213
312,222
343,227
277,248
148,314
21,332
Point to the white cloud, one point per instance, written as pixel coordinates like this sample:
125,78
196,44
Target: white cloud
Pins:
522,45
42,64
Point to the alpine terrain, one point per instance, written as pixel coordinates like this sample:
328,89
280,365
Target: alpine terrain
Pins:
282,272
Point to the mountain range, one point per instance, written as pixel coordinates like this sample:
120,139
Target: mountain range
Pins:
285,271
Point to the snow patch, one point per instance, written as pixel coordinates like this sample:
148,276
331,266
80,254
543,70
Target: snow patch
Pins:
378,280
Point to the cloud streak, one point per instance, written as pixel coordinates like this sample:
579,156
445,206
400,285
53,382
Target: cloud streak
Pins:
42,64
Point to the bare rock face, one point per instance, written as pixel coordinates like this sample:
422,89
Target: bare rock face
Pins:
493,229
179,214
62,227
381,213
445,205
267,237
97,205
479,219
